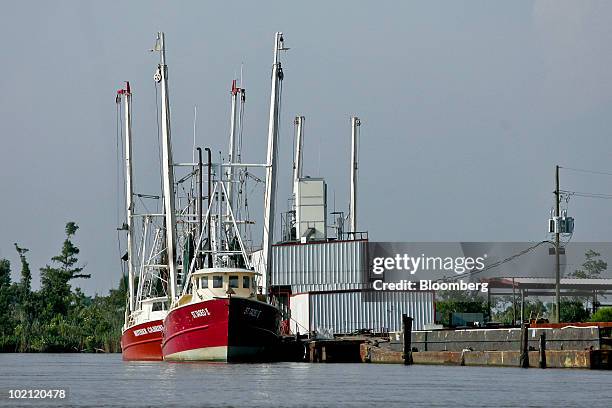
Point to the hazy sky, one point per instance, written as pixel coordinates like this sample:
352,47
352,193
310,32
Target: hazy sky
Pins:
466,106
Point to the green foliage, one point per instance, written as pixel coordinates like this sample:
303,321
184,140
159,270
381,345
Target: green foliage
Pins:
532,309
459,302
58,318
602,315
26,274
55,280
5,273
592,266
573,311
6,300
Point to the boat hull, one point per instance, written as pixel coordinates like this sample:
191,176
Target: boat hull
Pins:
231,330
143,341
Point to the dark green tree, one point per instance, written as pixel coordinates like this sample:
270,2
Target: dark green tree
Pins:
25,309
7,304
26,274
55,280
459,302
5,273
592,266
573,311
67,258
507,314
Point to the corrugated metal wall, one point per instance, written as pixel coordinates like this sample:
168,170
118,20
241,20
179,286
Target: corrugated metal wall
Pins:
345,312
338,265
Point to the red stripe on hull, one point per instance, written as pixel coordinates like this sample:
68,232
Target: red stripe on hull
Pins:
242,328
143,342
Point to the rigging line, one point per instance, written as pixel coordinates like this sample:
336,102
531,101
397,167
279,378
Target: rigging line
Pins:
602,196
603,173
499,263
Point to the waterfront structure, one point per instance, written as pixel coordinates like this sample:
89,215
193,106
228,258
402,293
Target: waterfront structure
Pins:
319,281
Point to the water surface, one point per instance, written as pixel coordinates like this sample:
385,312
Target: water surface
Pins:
99,380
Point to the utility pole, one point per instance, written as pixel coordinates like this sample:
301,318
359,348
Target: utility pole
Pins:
557,249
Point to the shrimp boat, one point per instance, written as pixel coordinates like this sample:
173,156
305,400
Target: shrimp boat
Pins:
142,333
220,319
219,310
146,305
218,316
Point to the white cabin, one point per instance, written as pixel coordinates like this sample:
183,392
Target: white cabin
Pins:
211,283
150,309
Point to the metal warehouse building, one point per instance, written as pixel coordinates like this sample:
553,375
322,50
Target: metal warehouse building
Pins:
323,288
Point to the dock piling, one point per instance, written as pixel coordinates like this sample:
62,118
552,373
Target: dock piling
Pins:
524,362
407,326
542,362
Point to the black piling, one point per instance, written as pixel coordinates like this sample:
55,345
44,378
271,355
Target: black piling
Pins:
407,326
524,363
542,362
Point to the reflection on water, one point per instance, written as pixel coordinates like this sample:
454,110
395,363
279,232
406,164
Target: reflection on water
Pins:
104,380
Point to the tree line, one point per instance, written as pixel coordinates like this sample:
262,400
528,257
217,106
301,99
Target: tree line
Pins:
58,317
506,309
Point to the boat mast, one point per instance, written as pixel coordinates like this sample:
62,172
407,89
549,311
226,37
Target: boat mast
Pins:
299,141
129,191
355,123
297,169
269,198
168,173
232,145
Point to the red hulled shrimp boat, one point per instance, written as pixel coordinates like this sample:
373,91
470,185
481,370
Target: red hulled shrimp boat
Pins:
220,319
142,335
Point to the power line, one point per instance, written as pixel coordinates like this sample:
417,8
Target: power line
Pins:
603,173
604,196
503,261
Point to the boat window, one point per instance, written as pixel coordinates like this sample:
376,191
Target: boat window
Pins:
157,306
246,282
217,281
233,281
203,282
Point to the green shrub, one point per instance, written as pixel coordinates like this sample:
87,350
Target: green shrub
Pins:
602,315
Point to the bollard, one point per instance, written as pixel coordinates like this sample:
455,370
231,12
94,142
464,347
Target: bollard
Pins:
524,363
543,350
407,326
